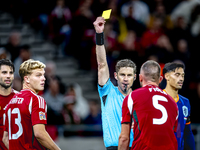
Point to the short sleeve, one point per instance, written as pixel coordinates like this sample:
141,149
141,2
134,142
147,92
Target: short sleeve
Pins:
105,89
39,111
127,109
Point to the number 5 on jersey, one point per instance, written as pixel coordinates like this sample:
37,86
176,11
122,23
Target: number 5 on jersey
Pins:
160,107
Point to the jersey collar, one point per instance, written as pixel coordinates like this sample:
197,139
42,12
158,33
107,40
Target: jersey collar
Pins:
173,98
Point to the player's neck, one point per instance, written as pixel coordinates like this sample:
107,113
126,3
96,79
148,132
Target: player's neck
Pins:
5,92
149,83
172,92
29,88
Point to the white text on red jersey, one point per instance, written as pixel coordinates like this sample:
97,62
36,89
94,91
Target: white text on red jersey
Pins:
16,100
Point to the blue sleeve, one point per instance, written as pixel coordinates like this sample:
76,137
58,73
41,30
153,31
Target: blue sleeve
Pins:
105,89
104,92
189,142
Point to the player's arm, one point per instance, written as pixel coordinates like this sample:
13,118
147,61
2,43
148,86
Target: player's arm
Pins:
189,142
43,137
5,139
124,137
188,136
176,122
103,70
38,119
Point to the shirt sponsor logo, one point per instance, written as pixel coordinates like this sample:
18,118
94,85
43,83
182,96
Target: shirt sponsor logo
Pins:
42,115
185,111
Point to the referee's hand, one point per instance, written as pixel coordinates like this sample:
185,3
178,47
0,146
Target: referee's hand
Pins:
99,24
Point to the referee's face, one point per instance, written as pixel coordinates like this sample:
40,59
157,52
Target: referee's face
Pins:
125,78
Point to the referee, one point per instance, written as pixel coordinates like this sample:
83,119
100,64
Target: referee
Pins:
112,96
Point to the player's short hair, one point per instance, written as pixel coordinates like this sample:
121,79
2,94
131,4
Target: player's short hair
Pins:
125,63
28,66
172,66
151,70
7,62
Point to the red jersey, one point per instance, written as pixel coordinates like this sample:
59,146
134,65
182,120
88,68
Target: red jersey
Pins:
4,100
24,110
155,118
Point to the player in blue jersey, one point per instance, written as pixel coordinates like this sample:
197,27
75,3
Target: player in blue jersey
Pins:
174,75
110,95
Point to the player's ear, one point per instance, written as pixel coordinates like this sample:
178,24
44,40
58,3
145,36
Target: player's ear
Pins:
26,79
135,77
160,80
166,75
115,75
140,78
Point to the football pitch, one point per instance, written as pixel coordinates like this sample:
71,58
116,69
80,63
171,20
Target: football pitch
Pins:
81,143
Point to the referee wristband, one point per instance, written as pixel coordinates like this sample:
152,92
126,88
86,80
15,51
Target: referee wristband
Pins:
99,38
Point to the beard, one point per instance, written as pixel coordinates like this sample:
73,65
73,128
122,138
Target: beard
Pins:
5,86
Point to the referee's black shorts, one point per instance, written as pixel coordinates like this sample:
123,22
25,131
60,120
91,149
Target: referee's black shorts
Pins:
114,148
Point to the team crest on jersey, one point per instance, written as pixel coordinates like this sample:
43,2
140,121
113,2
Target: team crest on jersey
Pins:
42,115
185,111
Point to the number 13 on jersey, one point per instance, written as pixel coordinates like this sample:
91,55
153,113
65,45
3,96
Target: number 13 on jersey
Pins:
17,121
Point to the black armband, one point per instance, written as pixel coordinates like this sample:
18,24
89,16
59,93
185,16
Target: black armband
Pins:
99,38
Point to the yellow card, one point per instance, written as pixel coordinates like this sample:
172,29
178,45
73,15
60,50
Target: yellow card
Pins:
106,14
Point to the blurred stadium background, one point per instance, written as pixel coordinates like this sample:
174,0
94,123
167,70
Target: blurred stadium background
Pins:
61,34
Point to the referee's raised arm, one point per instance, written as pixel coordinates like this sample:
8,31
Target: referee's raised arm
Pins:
103,70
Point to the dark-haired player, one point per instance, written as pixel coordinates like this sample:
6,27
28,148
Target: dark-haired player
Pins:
6,92
174,75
